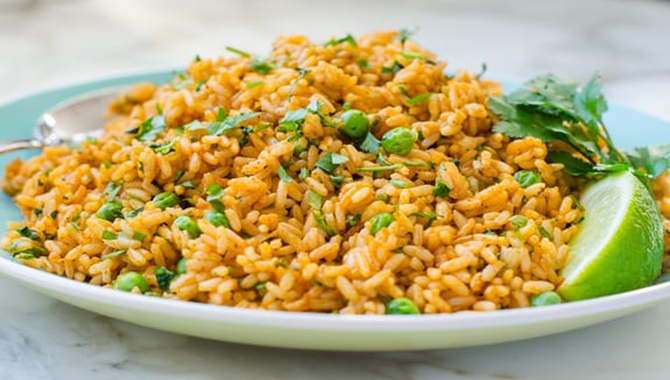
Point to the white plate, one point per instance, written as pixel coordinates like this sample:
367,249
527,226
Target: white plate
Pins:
311,330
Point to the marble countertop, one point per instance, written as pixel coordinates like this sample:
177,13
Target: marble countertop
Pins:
48,43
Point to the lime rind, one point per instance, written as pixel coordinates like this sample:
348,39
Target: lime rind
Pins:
619,246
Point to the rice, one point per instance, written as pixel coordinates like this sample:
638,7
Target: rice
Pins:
446,253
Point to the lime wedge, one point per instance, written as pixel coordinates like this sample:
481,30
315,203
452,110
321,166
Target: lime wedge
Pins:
619,246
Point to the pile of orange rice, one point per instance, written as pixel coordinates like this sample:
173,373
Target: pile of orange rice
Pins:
446,253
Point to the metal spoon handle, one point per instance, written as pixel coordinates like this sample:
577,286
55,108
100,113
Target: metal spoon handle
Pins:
11,146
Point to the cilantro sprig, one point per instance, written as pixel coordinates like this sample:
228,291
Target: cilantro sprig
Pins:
554,110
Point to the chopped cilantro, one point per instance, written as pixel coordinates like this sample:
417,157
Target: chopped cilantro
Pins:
260,66
353,219
412,55
314,199
194,126
518,221
399,183
166,148
370,144
392,69
150,128
331,161
283,175
28,233
238,52
163,277
544,232
349,38
113,254
321,222
255,84
404,35
418,99
218,128
336,180
441,189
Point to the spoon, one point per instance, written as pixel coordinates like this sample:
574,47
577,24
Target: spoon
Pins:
69,122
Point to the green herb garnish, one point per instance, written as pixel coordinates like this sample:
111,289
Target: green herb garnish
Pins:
163,277
321,222
518,221
349,38
441,189
229,123
331,161
150,128
283,175
166,148
370,144
238,52
109,235
28,233
314,199
550,109
412,55
261,66
399,183
255,84
418,99
113,254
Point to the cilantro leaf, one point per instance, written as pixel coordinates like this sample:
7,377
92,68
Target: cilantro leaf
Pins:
654,160
238,52
571,164
28,233
441,189
283,175
321,222
218,128
113,254
331,161
404,35
165,149
418,99
314,199
150,128
260,66
163,277
292,120
349,38
399,183
590,103
370,144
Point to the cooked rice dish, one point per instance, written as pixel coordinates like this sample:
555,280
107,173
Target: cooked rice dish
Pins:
275,183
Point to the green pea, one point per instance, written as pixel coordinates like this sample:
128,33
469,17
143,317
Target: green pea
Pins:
186,223
398,141
129,281
217,218
545,299
356,124
181,266
165,200
110,211
380,221
527,178
402,306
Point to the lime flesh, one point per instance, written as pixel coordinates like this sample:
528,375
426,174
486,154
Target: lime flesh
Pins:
619,246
